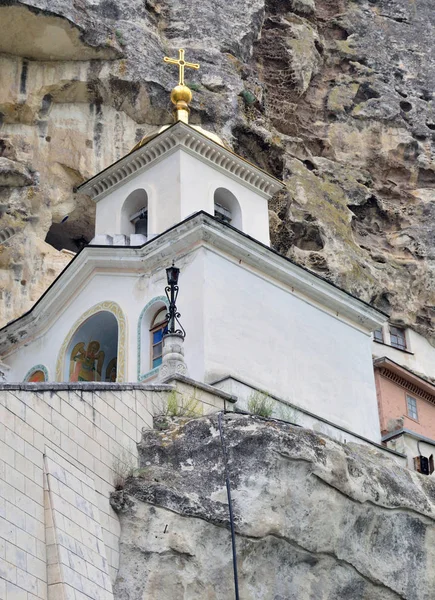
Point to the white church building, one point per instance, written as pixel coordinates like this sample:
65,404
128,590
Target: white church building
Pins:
254,320
93,361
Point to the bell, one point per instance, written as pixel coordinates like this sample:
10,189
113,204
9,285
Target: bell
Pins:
141,225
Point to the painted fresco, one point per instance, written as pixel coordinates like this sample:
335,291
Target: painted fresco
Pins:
111,370
86,363
36,377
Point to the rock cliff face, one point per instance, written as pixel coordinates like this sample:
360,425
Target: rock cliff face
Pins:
333,96
314,519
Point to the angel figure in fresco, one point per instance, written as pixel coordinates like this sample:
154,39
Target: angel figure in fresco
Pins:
111,370
86,364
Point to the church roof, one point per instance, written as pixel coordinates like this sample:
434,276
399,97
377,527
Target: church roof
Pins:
195,142
186,234
153,134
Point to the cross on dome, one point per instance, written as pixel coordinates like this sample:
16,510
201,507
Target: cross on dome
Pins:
181,94
182,64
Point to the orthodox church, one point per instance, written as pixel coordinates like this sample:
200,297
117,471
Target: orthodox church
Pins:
252,320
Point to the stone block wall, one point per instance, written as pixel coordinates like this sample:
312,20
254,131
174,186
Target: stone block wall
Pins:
61,447
58,450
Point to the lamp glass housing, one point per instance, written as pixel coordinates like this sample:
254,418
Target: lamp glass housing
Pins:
172,274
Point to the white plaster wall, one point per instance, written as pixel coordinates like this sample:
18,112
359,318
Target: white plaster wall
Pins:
199,181
237,323
178,186
276,342
162,184
420,357
131,291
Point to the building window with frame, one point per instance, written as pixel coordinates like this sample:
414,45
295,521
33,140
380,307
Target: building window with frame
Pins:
378,335
412,407
398,338
159,327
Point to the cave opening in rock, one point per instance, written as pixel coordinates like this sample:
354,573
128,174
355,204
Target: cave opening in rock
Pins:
63,236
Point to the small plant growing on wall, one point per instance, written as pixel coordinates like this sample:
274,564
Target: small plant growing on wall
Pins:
124,466
188,408
260,404
289,414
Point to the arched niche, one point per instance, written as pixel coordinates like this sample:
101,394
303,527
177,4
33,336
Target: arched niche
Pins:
227,207
94,349
134,213
92,352
37,374
144,344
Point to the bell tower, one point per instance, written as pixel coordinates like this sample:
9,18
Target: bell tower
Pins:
173,173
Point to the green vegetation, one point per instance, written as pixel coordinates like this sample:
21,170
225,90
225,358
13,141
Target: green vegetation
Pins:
288,414
260,404
124,466
189,407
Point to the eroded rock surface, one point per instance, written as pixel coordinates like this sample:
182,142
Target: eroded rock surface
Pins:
314,518
333,96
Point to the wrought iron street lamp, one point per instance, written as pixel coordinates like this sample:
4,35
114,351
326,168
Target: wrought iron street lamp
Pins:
173,316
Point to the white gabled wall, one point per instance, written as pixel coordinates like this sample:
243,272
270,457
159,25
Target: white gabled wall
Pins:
281,344
239,321
162,185
131,291
199,181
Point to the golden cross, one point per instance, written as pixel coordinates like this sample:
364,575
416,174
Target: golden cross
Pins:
182,64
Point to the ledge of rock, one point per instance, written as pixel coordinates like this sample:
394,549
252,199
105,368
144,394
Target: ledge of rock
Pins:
314,518
44,34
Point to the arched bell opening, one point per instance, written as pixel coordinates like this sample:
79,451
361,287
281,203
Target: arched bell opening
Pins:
227,208
134,214
92,353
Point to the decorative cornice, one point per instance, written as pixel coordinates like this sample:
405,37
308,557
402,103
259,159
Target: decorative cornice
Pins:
414,388
181,136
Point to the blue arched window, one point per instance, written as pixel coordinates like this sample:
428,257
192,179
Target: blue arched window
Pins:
159,327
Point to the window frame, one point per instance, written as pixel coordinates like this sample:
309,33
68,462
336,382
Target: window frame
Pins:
411,411
157,325
397,345
379,341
